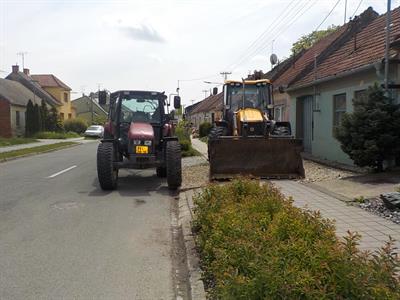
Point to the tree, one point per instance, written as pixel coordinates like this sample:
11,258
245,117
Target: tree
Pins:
29,116
308,40
37,120
44,113
371,134
54,121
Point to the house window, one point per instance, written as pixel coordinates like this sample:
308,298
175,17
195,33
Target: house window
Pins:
360,95
69,116
65,97
339,108
62,116
17,119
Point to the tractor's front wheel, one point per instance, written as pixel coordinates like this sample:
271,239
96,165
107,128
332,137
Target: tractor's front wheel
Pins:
161,172
107,174
173,163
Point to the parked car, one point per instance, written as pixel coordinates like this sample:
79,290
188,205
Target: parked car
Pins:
95,131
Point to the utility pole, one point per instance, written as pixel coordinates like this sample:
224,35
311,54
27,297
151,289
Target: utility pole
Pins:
22,54
387,40
225,74
205,93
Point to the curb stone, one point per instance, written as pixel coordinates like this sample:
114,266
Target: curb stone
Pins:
185,218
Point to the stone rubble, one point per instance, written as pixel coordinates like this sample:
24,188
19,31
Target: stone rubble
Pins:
376,206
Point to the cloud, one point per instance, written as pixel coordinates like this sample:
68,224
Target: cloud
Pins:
143,33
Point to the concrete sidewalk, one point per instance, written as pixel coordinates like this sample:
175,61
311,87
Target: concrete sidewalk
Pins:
374,229
42,142
200,146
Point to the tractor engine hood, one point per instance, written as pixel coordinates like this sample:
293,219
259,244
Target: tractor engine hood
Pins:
142,131
250,115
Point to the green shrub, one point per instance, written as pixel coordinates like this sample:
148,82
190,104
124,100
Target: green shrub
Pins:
185,145
254,244
56,135
371,133
182,131
76,125
204,129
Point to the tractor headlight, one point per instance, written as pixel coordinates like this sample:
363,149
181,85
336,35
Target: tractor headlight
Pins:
136,142
147,143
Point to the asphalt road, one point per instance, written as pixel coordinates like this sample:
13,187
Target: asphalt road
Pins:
62,237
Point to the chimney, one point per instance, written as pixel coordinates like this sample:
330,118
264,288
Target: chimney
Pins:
15,69
26,71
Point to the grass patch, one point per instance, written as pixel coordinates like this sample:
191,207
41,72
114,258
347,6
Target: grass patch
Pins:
204,139
56,135
254,244
16,141
34,150
183,134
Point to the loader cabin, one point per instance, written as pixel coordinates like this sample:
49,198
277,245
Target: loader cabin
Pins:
251,94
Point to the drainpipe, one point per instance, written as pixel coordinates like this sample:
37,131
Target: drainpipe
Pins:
388,17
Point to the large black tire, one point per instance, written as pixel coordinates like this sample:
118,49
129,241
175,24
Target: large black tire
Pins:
216,132
161,171
107,174
173,163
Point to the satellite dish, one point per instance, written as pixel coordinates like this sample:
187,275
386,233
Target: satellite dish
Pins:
273,59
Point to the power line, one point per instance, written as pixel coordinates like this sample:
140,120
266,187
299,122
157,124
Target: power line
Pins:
262,35
358,6
294,17
336,4
297,16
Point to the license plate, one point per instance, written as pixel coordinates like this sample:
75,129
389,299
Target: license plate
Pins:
142,149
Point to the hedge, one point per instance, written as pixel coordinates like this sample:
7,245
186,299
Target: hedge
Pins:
254,244
75,125
204,129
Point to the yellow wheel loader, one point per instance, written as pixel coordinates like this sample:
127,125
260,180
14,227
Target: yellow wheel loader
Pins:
247,141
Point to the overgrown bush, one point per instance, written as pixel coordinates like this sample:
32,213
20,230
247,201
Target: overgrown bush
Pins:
204,129
254,244
75,125
182,131
371,134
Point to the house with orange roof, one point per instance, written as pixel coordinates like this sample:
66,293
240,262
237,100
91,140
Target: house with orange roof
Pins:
60,91
323,87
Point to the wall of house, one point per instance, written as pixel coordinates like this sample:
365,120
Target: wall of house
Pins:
323,144
17,129
5,123
282,104
66,108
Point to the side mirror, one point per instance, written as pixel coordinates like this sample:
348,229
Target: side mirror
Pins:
102,97
177,102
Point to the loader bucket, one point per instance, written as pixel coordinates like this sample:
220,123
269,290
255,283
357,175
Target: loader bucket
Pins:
255,157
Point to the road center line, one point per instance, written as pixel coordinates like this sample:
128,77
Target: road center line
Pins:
61,172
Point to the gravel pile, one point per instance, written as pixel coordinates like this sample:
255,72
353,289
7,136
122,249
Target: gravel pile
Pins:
318,172
377,207
195,172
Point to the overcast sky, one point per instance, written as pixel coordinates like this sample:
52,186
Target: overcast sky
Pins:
151,45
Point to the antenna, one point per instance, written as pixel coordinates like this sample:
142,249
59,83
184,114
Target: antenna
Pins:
22,54
225,74
205,93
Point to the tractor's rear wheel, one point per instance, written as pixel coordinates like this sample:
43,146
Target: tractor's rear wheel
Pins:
161,172
107,174
173,163
215,133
